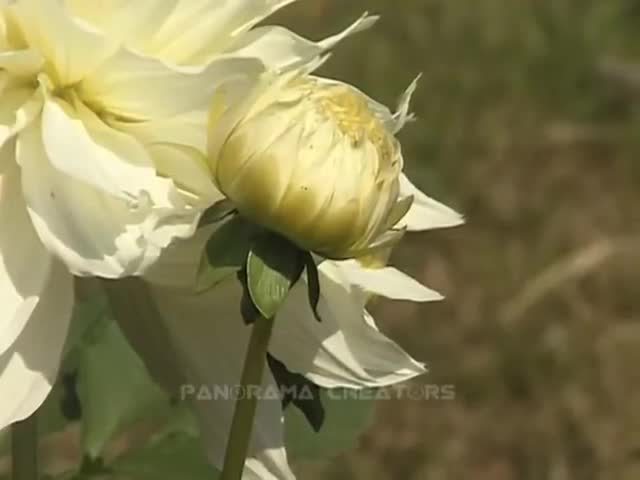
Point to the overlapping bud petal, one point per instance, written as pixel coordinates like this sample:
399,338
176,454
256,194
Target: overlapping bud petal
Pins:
312,160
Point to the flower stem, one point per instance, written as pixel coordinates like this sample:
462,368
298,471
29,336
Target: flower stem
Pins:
24,449
243,417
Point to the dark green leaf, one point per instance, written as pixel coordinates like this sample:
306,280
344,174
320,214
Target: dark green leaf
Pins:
248,310
225,254
313,285
299,391
70,405
217,212
274,265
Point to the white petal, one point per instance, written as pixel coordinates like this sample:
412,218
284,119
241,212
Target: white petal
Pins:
24,263
79,144
402,115
197,30
394,122
29,368
19,106
72,48
189,170
345,349
21,63
93,232
137,87
130,22
280,48
211,340
426,213
388,282
176,146
188,129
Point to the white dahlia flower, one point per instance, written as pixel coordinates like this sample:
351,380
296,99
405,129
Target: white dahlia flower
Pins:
103,112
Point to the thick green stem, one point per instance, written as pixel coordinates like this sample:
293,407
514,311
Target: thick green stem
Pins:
244,415
24,449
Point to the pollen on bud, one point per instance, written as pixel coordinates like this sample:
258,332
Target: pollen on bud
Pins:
313,160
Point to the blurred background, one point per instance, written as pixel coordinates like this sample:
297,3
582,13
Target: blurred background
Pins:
529,125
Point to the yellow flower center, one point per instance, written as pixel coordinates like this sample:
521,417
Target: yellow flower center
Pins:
354,118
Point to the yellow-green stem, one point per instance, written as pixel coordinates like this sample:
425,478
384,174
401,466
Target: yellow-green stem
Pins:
24,449
245,411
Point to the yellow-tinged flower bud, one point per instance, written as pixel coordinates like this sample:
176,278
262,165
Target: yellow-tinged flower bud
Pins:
312,160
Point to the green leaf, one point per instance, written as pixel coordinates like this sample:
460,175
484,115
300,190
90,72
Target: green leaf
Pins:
299,391
217,212
173,457
225,254
248,310
273,267
114,388
348,414
313,285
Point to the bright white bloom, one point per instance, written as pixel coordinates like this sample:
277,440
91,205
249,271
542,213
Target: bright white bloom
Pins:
103,111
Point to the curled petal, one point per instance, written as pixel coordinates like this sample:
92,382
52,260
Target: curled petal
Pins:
80,145
93,232
281,48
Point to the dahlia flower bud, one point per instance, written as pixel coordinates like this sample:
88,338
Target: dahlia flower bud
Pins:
312,160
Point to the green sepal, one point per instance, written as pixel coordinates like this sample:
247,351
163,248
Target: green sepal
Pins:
274,265
225,253
217,212
313,285
248,310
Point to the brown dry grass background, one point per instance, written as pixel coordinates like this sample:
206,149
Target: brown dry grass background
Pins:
529,125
